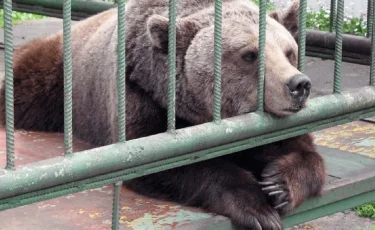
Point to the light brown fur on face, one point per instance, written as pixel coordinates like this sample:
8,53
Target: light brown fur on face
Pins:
239,77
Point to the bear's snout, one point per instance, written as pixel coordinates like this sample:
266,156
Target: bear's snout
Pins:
299,87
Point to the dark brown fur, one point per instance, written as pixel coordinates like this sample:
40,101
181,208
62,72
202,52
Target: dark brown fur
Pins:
226,185
38,82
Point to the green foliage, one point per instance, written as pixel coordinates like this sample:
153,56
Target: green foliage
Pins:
318,20
372,227
321,21
269,5
366,210
356,26
18,17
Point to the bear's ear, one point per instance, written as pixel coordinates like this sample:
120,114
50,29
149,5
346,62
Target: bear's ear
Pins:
157,28
288,17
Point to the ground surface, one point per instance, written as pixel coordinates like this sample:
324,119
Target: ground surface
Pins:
321,73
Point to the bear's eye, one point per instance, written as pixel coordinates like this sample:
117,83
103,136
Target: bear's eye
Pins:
250,56
290,55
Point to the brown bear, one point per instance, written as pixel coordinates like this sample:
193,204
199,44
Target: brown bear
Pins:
253,187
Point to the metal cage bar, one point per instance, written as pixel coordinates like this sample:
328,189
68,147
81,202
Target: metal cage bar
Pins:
332,17
41,6
338,46
172,65
116,204
370,17
9,99
209,141
121,67
261,58
121,101
302,36
217,61
80,9
372,66
68,73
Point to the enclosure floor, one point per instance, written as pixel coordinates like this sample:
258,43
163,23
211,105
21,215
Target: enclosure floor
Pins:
92,209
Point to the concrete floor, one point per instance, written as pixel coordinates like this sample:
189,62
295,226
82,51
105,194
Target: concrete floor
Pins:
320,71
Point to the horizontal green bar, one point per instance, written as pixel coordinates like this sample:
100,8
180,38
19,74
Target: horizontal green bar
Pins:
126,174
84,6
329,209
338,197
168,146
341,189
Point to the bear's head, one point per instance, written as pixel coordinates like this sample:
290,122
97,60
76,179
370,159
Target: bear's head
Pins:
286,88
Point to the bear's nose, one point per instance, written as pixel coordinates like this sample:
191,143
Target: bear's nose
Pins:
299,85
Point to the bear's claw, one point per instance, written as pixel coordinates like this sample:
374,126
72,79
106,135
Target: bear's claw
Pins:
281,205
275,187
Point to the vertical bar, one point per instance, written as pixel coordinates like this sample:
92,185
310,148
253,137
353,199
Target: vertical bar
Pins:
302,36
9,102
217,64
121,65
121,93
370,17
338,46
68,88
332,17
116,204
262,41
372,67
172,65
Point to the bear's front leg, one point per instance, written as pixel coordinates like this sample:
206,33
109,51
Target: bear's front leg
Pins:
217,185
296,175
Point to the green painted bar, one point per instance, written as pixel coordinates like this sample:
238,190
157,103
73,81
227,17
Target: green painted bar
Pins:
9,103
102,180
217,61
341,191
370,17
338,46
50,12
172,65
323,112
332,17
302,36
121,73
121,94
329,209
116,207
68,74
372,66
336,198
262,56
91,7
